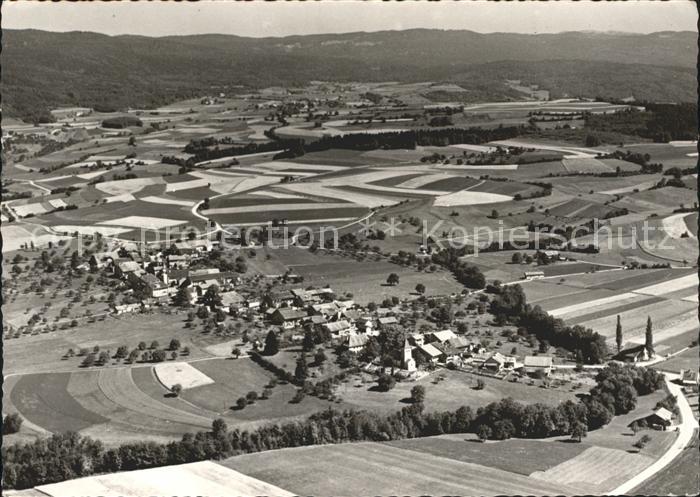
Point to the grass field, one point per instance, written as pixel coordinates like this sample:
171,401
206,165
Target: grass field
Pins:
366,279
681,477
234,379
354,466
199,478
515,455
456,390
687,359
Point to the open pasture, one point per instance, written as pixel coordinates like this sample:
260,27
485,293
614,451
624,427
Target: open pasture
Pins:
457,389
405,472
198,478
687,360
514,455
597,469
234,378
44,401
365,279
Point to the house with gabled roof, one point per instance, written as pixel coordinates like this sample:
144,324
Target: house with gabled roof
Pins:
538,364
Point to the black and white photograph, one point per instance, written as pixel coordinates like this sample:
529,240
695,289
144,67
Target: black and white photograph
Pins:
345,248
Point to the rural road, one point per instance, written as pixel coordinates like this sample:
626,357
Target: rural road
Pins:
687,428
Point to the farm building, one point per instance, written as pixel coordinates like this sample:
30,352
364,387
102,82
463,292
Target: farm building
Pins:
287,317
124,267
528,275
365,325
356,343
539,364
635,354
387,321
440,336
689,378
339,328
498,362
660,418
149,284
194,246
232,300
429,352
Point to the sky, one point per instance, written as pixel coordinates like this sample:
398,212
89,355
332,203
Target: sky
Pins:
259,19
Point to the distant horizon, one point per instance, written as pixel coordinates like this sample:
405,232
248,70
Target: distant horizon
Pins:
283,19
213,33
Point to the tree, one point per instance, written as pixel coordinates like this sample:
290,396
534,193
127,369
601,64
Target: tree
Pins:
174,344
182,298
393,279
420,288
642,442
212,297
320,357
494,214
142,345
649,342
517,258
386,382
241,402
308,343
176,389
618,334
154,344
480,384
483,432
579,431
301,369
219,428
11,424
88,361
272,344
418,394
251,397
592,141
158,355
236,352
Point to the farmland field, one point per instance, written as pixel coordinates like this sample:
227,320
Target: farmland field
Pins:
405,472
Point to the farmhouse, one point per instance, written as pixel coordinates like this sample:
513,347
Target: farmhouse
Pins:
635,354
429,352
538,365
124,267
287,317
386,322
440,336
661,418
339,328
365,325
498,362
194,246
232,300
689,378
149,284
356,343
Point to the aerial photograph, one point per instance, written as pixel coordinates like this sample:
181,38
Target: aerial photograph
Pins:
349,248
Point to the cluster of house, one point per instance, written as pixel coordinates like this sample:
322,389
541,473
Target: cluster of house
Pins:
444,347
159,277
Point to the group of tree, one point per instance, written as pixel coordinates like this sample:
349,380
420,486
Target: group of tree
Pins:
469,276
70,455
510,305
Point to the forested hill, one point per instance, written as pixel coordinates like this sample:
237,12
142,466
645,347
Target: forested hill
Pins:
44,69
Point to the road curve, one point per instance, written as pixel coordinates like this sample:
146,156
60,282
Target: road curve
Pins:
687,428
